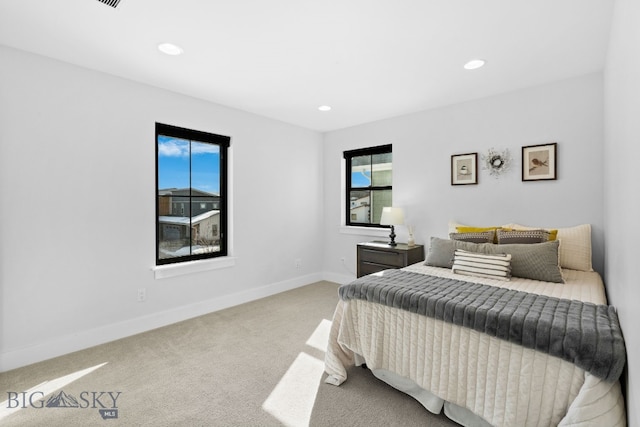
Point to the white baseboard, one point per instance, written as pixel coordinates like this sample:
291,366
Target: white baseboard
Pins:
337,277
80,340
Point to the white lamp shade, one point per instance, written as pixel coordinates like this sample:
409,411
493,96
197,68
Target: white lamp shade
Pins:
392,216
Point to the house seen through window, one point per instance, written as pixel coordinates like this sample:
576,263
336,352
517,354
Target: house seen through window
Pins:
191,194
368,184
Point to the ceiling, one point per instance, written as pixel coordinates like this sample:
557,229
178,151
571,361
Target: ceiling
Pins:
367,59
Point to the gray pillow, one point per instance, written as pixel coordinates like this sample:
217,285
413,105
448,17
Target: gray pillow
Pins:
537,261
442,251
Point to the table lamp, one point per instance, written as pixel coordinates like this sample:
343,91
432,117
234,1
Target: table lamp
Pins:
392,216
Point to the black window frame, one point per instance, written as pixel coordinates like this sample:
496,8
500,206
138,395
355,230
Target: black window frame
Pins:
348,156
223,142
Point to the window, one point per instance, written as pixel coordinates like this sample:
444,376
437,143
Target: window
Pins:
191,194
368,186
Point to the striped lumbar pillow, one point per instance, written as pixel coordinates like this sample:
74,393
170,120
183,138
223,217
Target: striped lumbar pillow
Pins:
496,266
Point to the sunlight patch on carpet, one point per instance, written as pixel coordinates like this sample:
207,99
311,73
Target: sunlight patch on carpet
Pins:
291,401
45,388
320,337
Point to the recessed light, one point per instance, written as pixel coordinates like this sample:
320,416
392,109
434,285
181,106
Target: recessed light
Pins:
170,49
324,108
474,63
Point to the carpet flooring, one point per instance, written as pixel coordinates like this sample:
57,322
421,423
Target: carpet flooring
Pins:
256,364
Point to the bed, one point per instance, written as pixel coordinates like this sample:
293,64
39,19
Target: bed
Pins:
503,373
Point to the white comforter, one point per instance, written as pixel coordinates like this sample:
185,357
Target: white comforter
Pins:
505,384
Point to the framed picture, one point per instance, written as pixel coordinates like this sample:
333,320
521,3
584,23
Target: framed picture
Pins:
539,162
464,169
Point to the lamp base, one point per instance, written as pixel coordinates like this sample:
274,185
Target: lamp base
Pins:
392,236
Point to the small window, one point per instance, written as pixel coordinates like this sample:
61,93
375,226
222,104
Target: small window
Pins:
191,194
368,184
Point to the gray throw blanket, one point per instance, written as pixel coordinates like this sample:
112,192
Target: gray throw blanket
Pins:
585,334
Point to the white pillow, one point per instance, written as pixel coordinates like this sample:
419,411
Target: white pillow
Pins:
575,245
496,266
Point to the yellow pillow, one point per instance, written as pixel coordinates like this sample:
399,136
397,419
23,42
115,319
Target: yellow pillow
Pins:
469,229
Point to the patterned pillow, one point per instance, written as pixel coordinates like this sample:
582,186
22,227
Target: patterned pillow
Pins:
476,264
477,237
522,236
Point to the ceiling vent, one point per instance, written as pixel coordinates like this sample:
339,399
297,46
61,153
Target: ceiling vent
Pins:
112,3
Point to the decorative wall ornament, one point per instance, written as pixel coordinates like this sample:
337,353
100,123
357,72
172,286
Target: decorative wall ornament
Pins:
496,162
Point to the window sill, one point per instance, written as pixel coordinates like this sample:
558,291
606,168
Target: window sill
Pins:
173,270
365,231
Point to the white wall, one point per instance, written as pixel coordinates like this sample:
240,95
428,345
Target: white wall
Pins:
77,217
622,190
568,112
77,161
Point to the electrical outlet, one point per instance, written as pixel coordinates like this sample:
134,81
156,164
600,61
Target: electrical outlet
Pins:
298,263
142,294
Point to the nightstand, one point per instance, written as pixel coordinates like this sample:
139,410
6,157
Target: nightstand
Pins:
378,256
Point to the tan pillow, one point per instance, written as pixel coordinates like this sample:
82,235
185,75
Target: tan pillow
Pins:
575,245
